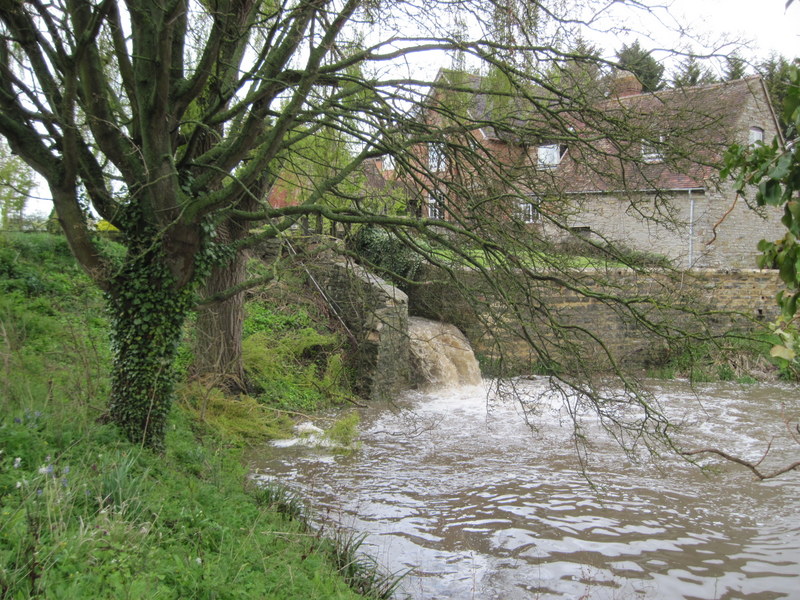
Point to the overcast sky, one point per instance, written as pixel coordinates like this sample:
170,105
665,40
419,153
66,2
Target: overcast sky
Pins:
769,23
765,26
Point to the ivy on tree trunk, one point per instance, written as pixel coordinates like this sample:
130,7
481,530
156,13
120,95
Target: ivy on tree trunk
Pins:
147,311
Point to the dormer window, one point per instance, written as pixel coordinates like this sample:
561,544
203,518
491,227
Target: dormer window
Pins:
651,152
756,135
549,155
437,159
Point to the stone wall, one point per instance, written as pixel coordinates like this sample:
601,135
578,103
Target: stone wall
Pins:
566,326
376,314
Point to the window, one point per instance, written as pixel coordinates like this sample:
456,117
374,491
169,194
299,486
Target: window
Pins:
528,211
651,151
437,159
549,155
756,135
435,208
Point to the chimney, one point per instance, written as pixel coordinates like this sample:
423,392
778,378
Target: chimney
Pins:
625,84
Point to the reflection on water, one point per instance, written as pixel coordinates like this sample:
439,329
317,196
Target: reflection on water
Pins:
461,491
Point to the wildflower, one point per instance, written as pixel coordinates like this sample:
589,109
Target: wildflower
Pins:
39,492
17,420
64,482
46,470
19,484
65,470
198,560
17,462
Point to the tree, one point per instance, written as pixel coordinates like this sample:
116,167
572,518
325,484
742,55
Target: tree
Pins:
580,71
640,62
691,73
16,184
176,121
775,72
735,68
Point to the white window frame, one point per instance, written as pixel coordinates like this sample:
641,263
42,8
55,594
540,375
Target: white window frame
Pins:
549,155
652,154
756,134
436,208
437,158
528,210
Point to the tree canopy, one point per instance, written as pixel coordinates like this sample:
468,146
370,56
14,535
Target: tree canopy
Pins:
178,123
16,183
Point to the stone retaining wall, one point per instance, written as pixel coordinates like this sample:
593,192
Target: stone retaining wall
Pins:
566,327
376,313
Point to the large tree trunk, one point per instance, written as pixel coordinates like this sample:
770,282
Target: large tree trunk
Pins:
218,335
148,312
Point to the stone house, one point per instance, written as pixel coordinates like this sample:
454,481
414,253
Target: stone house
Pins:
652,184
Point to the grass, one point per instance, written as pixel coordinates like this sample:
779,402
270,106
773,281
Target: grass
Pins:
83,513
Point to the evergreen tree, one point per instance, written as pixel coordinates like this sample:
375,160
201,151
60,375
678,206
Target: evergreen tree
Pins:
776,70
735,68
580,71
692,73
638,61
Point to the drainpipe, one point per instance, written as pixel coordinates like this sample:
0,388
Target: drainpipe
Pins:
691,229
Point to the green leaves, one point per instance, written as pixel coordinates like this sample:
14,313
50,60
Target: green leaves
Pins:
775,170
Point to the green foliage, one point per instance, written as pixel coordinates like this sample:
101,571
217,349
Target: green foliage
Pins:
579,75
692,73
344,430
147,316
16,183
384,251
639,61
775,73
240,420
86,514
734,358
295,370
774,168
261,317
735,67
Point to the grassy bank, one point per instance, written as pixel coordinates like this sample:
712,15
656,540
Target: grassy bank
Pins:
84,514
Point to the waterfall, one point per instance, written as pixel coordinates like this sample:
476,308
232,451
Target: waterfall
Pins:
441,355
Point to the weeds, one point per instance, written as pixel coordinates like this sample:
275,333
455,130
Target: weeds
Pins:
83,514
360,570
342,547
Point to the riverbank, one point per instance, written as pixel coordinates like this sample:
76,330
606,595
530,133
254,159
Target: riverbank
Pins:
83,513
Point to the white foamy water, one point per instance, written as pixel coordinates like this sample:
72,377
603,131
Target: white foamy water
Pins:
457,487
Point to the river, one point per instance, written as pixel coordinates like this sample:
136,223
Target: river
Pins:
458,488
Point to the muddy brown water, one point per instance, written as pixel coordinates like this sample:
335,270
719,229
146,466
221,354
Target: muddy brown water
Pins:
455,487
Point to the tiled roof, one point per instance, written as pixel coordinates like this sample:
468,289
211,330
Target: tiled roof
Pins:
669,140
689,127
